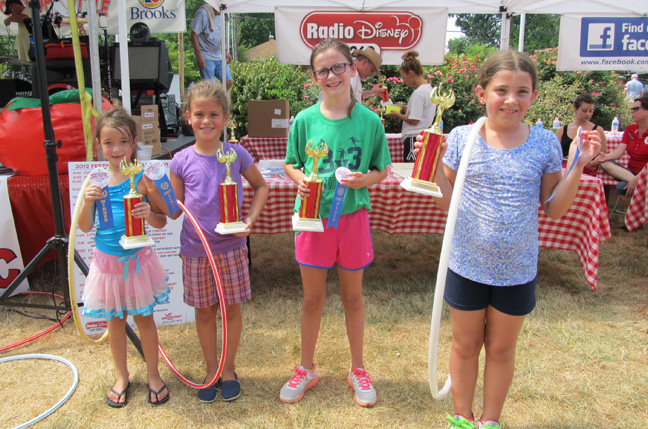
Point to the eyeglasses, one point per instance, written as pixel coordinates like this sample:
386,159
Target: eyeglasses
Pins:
337,69
634,109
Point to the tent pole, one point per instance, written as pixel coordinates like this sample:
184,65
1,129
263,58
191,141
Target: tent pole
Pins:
522,28
181,65
506,31
123,56
93,28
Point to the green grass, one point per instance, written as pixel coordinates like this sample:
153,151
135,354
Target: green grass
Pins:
582,358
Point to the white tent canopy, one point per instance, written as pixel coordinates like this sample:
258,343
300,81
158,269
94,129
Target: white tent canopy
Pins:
591,7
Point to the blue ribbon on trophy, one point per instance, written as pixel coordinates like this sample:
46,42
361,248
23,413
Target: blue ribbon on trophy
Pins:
100,177
338,197
156,171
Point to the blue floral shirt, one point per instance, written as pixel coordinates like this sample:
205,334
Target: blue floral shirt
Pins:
496,235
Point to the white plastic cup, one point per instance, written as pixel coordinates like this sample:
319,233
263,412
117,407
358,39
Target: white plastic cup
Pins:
144,151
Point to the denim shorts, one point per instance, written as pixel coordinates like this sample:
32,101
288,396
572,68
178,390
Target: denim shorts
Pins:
467,295
213,70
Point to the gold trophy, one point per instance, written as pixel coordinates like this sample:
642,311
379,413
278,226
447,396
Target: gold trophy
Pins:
232,126
380,111
230,222
422,180
308,218
135,235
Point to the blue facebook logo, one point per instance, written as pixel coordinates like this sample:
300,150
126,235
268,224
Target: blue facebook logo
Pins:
600,37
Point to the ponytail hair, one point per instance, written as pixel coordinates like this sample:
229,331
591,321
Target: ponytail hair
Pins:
411,63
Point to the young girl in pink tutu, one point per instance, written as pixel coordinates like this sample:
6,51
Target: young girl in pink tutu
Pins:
124,282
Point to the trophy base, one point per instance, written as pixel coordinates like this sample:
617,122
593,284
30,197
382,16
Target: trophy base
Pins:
230,228
136,242
421,187
303,224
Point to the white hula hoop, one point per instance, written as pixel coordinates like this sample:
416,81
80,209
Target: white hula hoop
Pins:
443,265
75,382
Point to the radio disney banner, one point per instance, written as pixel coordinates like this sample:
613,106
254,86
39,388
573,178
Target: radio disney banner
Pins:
390,32
603,43
161,16
167,246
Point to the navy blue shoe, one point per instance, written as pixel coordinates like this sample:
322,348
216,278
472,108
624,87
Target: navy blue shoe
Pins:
208,394
230,389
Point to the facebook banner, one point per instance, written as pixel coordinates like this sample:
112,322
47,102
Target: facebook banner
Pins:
603,43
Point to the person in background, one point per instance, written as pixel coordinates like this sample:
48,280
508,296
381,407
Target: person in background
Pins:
17,13
419,113
634,141
583,110
634,88
206,38
367,62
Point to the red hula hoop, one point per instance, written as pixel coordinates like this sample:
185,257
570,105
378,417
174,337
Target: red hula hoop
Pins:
221,301
46,331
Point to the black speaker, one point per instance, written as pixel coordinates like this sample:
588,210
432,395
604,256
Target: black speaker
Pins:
11,88
148,64
170,110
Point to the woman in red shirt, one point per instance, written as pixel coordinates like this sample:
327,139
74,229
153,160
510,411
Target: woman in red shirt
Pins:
635,141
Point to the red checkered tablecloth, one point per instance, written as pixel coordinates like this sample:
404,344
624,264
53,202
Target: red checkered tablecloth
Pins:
275,147
613,140
397,211
637,213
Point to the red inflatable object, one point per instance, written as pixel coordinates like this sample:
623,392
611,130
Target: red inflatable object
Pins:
22,135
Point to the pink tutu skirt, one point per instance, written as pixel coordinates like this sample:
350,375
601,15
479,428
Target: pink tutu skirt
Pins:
133,284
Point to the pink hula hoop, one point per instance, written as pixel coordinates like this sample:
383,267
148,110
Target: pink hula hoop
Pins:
221,302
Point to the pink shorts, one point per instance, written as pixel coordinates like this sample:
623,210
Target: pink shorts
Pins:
200,289
349,246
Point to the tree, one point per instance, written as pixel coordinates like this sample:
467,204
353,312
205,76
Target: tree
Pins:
254,28
541,31
480,29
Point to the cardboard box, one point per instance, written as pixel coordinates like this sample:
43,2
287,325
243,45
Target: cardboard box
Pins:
268,118
148,113
149,133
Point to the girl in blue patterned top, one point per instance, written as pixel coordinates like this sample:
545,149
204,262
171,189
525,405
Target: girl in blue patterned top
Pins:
491,278
124,282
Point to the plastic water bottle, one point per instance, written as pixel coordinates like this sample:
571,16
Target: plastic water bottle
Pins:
615,124
556,123
539,123
291,121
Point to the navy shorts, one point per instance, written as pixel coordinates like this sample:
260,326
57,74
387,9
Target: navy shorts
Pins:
467,295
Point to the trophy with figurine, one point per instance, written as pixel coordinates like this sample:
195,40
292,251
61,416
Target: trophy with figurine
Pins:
232,126
422,180
308,218
230,222
380,110
384,94
135,235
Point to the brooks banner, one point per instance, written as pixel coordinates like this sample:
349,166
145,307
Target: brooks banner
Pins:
161,16
603,43
390,32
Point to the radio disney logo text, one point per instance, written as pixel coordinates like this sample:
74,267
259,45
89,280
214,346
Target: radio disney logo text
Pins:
389,31
614,37
153,9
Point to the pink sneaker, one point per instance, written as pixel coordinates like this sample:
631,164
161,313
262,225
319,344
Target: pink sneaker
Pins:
364,392
300,382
